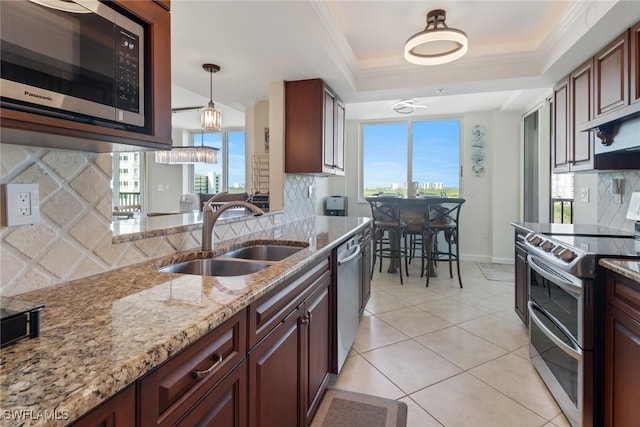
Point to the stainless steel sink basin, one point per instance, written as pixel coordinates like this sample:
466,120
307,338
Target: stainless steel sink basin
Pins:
214,267
264,252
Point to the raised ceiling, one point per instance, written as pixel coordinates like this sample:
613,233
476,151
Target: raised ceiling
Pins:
517,50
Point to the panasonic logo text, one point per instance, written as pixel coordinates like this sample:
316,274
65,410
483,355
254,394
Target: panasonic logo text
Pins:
35,95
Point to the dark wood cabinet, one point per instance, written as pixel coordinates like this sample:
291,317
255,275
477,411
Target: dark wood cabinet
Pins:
581,146
611,72
560,161
173,390
622,351
572,150
118,411
289,367
521,279
23,128
224,406
314,129
634,62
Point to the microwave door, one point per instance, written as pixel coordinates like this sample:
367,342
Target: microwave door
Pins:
67,61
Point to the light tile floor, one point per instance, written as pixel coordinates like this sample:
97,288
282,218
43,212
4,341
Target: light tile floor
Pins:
457,357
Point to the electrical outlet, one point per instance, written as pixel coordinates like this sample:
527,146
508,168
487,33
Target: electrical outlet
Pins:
584,194
310,191
23,205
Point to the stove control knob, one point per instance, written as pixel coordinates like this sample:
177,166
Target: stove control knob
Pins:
535,240
547,246
568,255
558,251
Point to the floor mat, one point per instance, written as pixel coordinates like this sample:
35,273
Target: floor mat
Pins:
341,408
497,272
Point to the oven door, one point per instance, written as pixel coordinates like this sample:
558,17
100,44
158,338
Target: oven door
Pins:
560,295
559,360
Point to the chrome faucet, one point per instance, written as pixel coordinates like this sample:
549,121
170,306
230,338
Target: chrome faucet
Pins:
210,217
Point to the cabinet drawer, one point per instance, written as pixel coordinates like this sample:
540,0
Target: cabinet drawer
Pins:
273,308
172,389
624,294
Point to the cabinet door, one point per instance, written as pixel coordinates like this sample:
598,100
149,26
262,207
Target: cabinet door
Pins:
119,411
521,285
559,150
581,108
622,369
170,391
338,154
634,60
275,369
224,406
328,132
317,321
611,71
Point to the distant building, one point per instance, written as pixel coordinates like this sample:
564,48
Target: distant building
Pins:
129,173
394,186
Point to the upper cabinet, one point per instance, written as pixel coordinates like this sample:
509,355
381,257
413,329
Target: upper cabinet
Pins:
314,129
573,105
47,127
592,104
612,76
634,78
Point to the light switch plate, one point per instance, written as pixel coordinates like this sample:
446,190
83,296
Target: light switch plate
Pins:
584,194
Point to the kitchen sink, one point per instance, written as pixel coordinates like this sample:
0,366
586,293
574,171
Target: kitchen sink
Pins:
264,252
214,267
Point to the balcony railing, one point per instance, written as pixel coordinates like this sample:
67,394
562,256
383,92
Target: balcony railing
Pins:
129,199
561,211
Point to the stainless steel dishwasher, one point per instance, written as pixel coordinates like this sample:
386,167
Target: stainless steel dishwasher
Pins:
348,295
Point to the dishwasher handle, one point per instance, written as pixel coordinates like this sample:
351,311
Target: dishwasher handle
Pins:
351,257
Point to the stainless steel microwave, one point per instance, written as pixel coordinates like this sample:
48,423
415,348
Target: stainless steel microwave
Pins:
80,60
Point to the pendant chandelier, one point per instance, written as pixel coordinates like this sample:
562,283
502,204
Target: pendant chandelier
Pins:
210,120
210,116
188,154
437,43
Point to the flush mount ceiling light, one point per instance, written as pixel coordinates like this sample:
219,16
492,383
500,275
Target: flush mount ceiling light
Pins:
437,43
210,116
188,154
406,106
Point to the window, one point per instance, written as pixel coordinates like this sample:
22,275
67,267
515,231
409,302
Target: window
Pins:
229,173
395,153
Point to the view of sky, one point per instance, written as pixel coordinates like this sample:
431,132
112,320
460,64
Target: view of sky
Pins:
236,156
436,153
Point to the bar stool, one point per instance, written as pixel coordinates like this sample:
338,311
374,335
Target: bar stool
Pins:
388,231
444,216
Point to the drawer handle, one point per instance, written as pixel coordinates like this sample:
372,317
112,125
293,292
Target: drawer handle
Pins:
199,374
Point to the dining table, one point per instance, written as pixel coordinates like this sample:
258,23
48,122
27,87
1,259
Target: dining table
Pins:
414,212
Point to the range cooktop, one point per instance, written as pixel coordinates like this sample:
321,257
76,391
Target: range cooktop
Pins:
575,230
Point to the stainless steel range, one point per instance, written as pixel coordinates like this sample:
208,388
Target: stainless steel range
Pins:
566,309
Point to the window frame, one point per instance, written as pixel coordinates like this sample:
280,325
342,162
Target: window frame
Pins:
409,142
223,157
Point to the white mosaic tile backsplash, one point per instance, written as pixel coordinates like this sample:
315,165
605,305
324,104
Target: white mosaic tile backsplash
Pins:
612,213
74,238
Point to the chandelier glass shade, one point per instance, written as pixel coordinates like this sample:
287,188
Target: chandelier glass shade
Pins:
210,116
187,155
437,43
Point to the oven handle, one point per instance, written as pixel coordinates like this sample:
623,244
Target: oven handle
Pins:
573,287
574,353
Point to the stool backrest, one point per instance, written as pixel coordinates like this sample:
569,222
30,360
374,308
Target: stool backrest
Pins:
385,209
444,213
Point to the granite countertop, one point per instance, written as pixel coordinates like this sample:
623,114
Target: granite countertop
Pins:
627,267
101,333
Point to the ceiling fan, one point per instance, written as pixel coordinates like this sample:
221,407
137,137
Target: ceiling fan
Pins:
406,106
